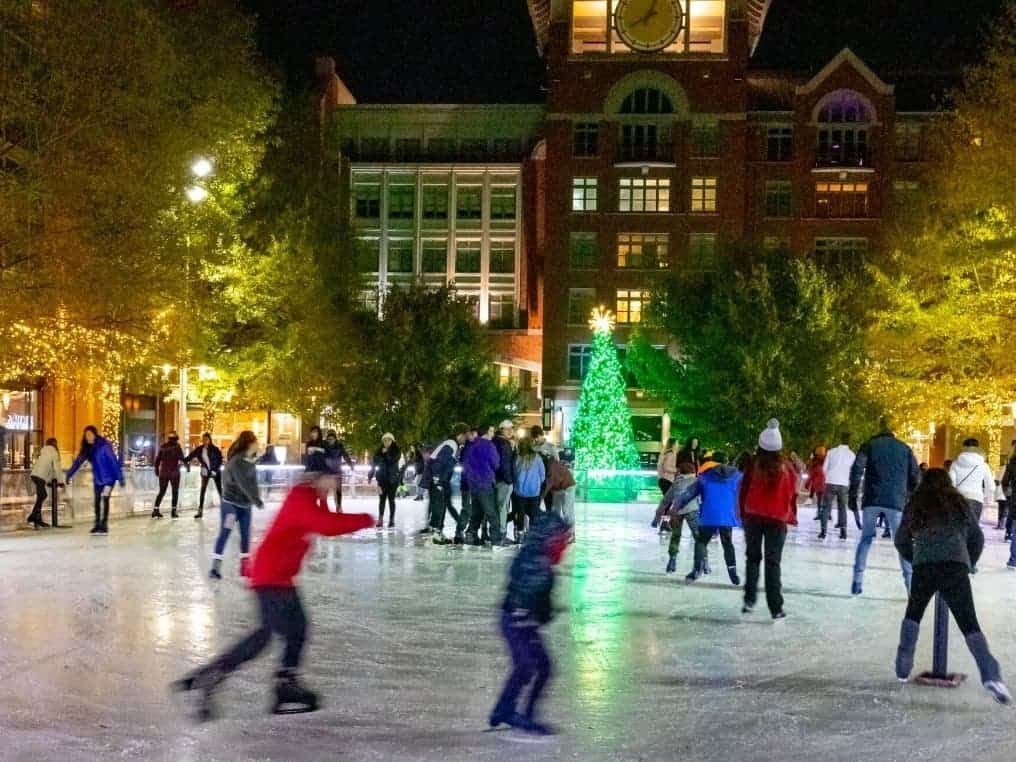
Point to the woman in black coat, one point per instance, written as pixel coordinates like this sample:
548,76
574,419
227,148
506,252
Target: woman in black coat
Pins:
209,458
387,470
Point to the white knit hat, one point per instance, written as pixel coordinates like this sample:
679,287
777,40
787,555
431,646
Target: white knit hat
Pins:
771,440
387,435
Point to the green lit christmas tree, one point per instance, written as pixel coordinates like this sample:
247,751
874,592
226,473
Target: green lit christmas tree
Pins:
602,434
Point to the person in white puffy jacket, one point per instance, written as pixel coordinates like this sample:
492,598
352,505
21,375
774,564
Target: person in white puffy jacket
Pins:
46,471
973,478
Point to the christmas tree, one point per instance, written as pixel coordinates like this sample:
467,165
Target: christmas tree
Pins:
602,435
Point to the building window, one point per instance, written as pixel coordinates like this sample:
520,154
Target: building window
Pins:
644,194
586,139
703,194
401,199
581,302
843,132
776,243
906,193
908,142
579,358
467,257
368,255
583,251
400,256
778,198
779,143
834,200
584,194
647,100
643,251
630,305
702,252
502,203
502,257
841,252
501,310
435,202
408,149
705,140
645,142
469,202
367,200
435,257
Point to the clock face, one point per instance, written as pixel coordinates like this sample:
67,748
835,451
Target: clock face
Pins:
648,26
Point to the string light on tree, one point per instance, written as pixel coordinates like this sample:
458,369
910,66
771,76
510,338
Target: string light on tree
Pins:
602,434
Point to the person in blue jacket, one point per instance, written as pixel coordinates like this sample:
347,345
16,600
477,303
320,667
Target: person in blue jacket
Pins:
106,472
528,473
717,491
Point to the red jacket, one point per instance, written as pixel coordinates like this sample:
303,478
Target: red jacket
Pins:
280,554
766,500
816,476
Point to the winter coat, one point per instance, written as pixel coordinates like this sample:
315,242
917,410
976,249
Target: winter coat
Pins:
463,479
666,469
559,477
889,470
717,489
480,464
47,465
773,501
441,464
531,575
315,457
816,476
169,459
280,555
336,455
1009,477
106,469
528,477
505,457
959,541
385,466
972,477
838,462
685,455
240,482
671,500
209,456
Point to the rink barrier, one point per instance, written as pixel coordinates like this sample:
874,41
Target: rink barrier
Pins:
617,486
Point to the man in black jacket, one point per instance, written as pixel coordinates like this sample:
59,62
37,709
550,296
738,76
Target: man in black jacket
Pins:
505,476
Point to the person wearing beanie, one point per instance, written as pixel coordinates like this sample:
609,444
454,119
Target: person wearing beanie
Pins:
386,468
767,504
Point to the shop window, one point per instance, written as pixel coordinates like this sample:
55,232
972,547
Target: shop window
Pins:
703,194
643,251
584,194
643,194
583,251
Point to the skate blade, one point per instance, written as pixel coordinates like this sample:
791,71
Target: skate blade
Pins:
294,709
521,736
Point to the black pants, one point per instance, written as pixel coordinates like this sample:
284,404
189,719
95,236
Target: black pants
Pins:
525,508
953,581
205,478
281,614
440,497
387,494
1003,510
530,666
764,540
101,504
164,482
664,485
41,493
483,504
465,514
705,536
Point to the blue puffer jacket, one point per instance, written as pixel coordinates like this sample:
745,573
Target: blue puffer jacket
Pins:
889,470
106,470
717,490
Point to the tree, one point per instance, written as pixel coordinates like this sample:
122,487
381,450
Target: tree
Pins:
420,367
765,335
602,434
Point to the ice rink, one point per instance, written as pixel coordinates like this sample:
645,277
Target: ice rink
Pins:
405,652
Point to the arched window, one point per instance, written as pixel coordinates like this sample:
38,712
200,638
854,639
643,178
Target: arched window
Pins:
844,120
647,100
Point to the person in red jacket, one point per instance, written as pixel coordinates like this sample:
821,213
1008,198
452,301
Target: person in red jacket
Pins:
767,503
277,561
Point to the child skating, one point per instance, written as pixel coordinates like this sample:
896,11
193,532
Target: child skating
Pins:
678,517
527,607
276,563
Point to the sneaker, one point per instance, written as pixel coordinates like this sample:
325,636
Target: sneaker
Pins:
779,616
672,565
998,691
855,588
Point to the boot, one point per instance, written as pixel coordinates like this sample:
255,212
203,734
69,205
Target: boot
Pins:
199,514
291,697
734,579
156,513
672,565
174,514
991,674
822,535
207,680
245,567
215,573
843,533
909,631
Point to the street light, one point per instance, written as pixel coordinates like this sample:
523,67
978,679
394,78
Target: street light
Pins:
202,167
196,194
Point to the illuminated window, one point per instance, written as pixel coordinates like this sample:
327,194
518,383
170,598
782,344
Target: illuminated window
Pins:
467,257
702,252
908,142
705,140
367,200
707,26
502,203
779,195
401,199
642,251
400,256
589,26
585,139
644,194
703,194
583,251
502,257
630,305
435,202
841,252
584,194
843,131
846,200
579,358
469,202
435,256
581,302
779,143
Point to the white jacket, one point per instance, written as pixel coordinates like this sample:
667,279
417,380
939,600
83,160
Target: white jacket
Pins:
47,466
972,477
838,462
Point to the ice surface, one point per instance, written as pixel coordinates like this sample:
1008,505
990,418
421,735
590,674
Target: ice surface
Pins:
405,652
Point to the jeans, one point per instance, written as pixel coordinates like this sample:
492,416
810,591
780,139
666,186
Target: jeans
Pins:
484,506
1012,551
771,535
205,478
41,493
953,581
387,494
564,504
705,536
530,664
281,614
233,514
840,493
504,499
892,518
676,524
165,481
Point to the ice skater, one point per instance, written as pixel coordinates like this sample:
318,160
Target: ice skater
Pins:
717,490
277,562
209,458
167,467
239,494
106,472
385,467
678,517
940,535
527,607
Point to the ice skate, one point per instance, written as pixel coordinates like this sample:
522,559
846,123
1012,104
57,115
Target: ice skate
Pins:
734,579
199,514
693,575
999,692
747,608
207,680
291,697
779,617
174,514
156,513
672,565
